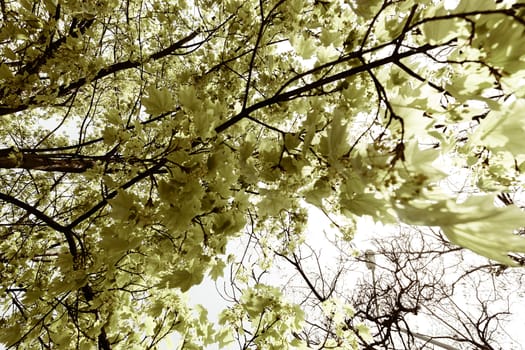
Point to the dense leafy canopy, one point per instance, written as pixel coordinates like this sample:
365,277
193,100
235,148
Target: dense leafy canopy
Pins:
175,124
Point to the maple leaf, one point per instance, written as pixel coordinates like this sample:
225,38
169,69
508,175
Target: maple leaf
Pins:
158,101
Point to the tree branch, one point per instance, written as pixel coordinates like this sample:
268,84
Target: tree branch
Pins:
297,92
104,201
42,216
68,163
114,68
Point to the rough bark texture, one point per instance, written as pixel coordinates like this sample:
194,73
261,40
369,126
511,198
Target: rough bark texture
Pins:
11,158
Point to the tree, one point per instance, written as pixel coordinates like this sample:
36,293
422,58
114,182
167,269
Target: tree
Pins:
177,126
423,292
459,301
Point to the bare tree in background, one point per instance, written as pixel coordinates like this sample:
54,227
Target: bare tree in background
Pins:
429,295
412,290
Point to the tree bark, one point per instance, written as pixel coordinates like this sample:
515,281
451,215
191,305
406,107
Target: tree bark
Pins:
11,158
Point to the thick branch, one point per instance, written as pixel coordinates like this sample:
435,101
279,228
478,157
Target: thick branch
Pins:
64,162
46,219
77,28
10,159
116,67
297,92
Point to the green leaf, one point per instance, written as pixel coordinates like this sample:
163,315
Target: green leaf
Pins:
475,224
188,98
335,143
11,334
304,46
182,279
217,269
364,332
441,31
123,206
158,101
365,8
224,337
503,130
5,72
320,190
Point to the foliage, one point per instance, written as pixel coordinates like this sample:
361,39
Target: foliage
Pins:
176,125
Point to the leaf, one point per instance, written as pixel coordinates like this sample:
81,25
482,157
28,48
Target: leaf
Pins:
224,337
202,123
475,224
298,317
502,130
188,98
202,313
11,334
182,279
217,269
420,162
51,5
32,295
364,332
366,204
113,243
304,46
291,141
320,190
441,31
329,36
158,101
5,72
123,206
149,325
479,5
487,240
365,8
335,143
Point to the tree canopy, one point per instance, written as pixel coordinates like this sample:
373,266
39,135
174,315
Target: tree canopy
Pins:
139,138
